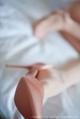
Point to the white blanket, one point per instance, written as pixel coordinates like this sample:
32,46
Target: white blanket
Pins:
18,45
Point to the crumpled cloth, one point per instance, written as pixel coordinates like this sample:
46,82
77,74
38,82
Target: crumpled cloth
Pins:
18,45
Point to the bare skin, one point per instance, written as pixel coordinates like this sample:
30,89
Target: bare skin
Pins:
40,84
54,21
58,21
73,10
67,23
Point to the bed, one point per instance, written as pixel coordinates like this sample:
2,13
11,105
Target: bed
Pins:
18,45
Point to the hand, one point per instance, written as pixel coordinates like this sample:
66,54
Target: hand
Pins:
56,21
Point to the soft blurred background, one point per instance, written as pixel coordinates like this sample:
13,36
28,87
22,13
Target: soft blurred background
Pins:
19,46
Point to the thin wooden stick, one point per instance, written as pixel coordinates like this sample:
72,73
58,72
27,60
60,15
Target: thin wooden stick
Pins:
28,67
16,66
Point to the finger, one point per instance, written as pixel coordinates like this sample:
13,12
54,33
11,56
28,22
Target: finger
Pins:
34,69
33,72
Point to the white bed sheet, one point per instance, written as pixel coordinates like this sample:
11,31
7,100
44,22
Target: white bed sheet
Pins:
19,46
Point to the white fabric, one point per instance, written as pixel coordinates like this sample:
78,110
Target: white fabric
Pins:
18,45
